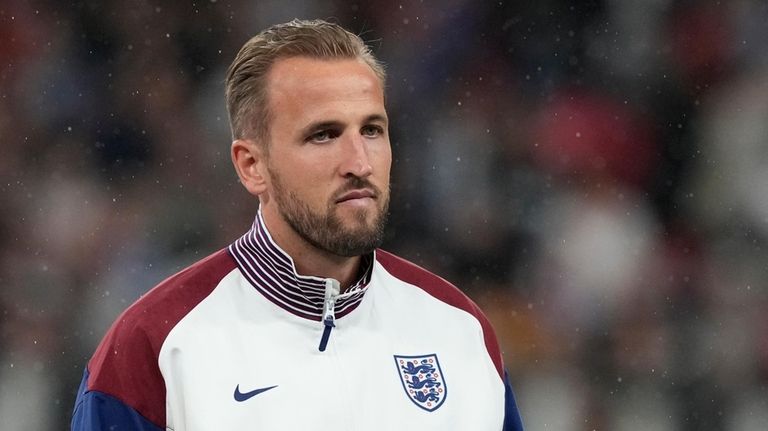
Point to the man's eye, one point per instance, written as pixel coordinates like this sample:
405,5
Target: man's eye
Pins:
372,131
321,136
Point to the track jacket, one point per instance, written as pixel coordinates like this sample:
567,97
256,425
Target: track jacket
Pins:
241,341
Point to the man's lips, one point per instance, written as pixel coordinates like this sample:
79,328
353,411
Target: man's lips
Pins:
356,194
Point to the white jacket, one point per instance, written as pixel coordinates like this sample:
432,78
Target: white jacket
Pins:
239,340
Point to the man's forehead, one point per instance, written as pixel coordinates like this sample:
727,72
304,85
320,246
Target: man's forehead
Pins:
306,74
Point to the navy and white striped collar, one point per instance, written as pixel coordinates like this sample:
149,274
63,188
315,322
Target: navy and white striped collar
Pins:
272,272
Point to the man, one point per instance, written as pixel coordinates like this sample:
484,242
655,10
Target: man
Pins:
302,323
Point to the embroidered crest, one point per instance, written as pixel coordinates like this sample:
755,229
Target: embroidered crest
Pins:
422,380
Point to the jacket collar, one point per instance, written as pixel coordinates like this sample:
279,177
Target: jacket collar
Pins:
272,273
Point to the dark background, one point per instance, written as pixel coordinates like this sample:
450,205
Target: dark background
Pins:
592,173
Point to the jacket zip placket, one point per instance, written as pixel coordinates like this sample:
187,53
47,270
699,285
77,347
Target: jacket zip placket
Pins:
332,289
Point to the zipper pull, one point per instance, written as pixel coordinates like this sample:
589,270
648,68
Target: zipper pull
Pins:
332,289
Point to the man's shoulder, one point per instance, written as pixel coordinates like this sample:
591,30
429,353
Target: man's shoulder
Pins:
431,283
186,288
149,320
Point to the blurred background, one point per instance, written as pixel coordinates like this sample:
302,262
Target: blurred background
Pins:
593,173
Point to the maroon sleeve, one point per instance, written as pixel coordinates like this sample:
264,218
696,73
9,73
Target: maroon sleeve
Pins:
125,365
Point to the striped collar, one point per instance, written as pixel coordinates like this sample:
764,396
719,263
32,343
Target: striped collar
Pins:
272,272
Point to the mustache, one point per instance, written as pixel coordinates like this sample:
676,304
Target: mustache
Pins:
356,183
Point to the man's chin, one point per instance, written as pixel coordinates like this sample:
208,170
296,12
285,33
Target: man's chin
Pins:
366,232
357,217
357,243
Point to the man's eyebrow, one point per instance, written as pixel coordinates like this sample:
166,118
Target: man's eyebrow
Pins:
376,118
320,125
323,125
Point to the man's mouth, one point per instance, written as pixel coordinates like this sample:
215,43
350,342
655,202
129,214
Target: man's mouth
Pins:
355,196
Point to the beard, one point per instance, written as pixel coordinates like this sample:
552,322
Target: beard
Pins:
326,230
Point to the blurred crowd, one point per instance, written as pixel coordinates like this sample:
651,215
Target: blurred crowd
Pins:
593,173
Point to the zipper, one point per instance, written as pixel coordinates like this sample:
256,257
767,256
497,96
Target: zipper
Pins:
332,289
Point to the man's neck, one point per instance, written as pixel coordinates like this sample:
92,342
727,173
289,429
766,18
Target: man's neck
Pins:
308,259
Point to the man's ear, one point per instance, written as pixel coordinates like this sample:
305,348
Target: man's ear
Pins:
250,165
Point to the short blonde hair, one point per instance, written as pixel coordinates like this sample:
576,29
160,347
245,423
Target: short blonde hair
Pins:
246,82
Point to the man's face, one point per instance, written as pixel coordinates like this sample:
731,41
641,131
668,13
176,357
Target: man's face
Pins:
329,155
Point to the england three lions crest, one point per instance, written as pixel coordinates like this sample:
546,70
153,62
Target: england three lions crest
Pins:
422,380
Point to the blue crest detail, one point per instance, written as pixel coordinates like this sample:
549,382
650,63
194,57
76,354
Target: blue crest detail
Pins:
422,380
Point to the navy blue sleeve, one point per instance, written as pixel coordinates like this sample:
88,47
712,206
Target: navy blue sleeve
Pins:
98,411
512,420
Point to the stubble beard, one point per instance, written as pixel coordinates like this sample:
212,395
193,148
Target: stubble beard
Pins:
326,231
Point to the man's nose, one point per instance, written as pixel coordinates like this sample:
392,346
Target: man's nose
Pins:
355,159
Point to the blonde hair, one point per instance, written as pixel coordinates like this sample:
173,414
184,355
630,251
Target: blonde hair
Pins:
246,82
